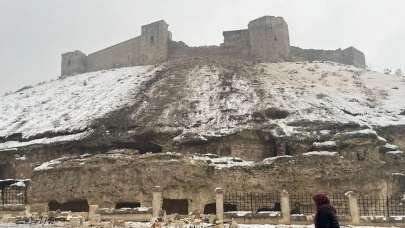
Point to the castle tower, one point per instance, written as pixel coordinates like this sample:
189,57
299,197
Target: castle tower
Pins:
73,63
269,39
353,56
155,38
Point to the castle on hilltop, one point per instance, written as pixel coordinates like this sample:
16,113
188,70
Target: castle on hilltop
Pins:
265,40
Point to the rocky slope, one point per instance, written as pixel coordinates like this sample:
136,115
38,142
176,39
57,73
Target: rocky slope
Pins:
213,106
298,126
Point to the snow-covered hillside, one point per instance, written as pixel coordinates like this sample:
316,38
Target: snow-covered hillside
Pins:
312,92
333,92
205,100
69,105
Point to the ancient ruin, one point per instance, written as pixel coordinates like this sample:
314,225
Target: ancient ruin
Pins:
246,130
265,40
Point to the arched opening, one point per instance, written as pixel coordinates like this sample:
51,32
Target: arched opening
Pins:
73,206
175,206
210,208
127,205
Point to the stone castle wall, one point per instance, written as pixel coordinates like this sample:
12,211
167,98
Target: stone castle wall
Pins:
148,48
348,56
265,40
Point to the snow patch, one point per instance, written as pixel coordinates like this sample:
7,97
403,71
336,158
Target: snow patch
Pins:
19,184
320,153
361,132
51,164
69,104
271,160
223,162
325,144
22,158
397,152
66,138
391,146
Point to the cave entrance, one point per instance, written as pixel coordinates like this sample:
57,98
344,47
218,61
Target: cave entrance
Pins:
127,205
149,147
73,206
210,208
175,206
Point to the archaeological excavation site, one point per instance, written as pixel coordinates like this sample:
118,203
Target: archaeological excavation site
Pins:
245,131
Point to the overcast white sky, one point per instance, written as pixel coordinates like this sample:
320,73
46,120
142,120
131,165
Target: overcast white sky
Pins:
33,34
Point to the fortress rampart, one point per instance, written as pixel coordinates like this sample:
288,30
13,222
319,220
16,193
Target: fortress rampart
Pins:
149,48
265,40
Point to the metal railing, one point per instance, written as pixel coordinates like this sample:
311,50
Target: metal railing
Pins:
341,203
302,204
252,201
386,207
13,196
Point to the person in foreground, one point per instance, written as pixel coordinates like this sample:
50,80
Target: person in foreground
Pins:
325,216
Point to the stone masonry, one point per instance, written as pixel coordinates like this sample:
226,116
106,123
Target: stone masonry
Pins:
265,40
148,48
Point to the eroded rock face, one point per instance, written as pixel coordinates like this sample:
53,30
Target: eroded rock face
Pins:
126,176
348,118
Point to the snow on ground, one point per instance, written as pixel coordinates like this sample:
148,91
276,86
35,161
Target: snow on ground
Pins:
222,103
391,147
222,162
395,152
271,160
15,144
325,144
214,102
308,91
50,164
69,104
320,153
333,92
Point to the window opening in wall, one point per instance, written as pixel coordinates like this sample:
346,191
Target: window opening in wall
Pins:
152,40
69,62
175,206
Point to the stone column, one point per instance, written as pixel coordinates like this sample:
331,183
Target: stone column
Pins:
354,207
156,201
28,210
93,212
219,193
285,207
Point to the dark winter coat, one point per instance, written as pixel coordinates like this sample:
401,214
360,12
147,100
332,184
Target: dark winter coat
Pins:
326,214
326,218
